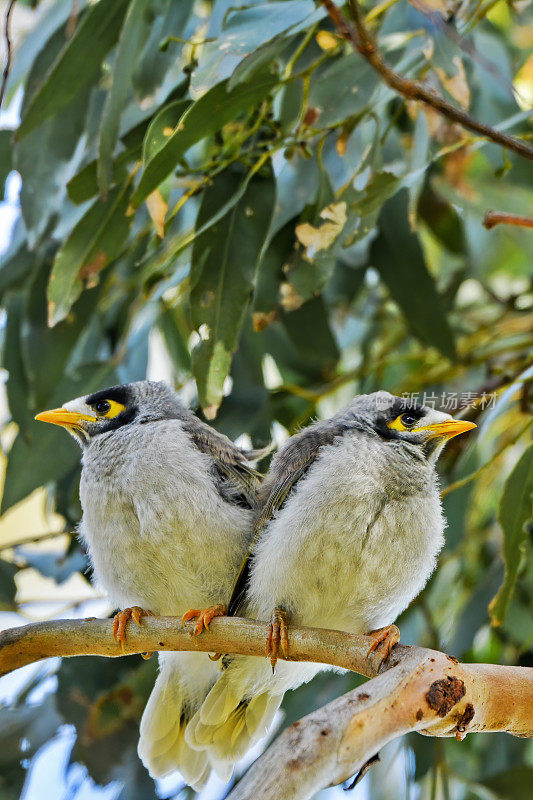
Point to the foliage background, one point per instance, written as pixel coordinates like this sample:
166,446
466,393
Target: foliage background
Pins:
263,221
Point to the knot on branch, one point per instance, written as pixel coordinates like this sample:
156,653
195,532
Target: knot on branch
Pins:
444,694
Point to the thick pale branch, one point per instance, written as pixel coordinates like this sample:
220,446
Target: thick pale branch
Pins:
362,41
421,690
416,690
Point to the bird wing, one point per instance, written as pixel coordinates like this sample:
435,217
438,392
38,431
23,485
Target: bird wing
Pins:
291,464
230,462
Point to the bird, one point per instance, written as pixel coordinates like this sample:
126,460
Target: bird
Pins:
347,533
168,505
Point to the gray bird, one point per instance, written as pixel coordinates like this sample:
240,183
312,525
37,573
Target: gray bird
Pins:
167,520
348,534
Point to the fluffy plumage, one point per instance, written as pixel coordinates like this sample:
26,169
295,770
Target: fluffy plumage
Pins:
349,531
167,511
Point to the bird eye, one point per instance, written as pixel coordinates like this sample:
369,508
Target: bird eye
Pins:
404,422
102,406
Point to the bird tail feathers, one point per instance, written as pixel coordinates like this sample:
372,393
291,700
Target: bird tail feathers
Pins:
229,723
182,684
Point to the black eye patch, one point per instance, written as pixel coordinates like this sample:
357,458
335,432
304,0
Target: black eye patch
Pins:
117,393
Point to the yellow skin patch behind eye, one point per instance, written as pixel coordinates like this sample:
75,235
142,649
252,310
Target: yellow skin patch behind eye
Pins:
114,411
398,425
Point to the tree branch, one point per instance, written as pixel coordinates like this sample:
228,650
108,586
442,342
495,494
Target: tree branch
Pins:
74,637
363,42
422,690
493,218
416,690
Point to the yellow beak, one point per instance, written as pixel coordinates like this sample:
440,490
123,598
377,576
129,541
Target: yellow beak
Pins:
448,429
60,416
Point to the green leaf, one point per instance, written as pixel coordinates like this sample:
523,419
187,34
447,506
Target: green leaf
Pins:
224,263
95,241
158,131
132,35
8,588
442,219
309,330
46,351
13,362
270,276
399,259
206,116
512,783
243,30
78,63
515,515
154,64
6,148
29,461
173,328
18,261
47,153
84,185
337,98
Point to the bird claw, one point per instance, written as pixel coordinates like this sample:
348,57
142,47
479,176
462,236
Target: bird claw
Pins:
384,641
136,613
278,636
204,616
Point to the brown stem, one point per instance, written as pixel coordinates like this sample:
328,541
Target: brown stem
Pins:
363,42
493,218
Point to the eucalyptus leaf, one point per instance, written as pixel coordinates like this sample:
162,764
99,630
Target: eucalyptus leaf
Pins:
399,259
132,34
95,241
224,263
81,57
516,518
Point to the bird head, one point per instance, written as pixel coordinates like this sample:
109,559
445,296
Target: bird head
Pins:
400,420
110,409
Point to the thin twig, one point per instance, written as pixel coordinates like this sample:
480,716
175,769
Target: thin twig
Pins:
362,41
493,218
7,39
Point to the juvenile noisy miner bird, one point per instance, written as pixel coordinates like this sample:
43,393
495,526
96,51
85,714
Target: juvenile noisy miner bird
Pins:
167,520
348,534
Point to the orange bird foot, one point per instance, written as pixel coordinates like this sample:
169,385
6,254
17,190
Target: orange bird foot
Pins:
278,636
204,616
120,621
384,641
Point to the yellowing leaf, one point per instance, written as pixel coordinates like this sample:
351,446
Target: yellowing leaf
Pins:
326,40
290,299
322,237
157,208
523,84
457,85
